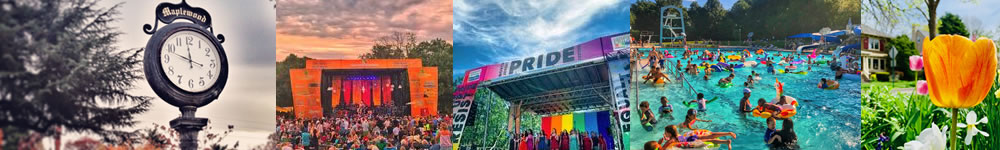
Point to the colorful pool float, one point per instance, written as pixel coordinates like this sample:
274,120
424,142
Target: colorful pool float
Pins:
689,104
726,85
794,72
828,87
787,110
734,57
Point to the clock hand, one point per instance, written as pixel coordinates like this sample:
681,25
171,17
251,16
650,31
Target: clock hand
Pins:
190,64
189,60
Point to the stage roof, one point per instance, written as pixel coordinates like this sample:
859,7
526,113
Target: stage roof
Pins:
564,88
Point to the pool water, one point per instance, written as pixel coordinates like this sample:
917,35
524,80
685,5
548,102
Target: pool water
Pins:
826,119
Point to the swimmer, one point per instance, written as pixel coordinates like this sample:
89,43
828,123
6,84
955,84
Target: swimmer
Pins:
727,79
671,136
745,101
690,119
678,65
647,114
828,84
656,76
665,107
769,134
763,105
701,102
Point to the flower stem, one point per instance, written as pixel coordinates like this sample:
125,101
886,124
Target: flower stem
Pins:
954,129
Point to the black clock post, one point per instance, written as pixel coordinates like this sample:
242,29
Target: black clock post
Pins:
175,84
188,126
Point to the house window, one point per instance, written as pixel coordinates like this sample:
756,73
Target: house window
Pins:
873,43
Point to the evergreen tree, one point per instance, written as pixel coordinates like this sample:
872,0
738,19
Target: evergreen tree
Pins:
59,68
951,24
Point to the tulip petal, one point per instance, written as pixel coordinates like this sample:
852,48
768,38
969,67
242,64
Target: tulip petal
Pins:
984,133
982,121
955,68
961,125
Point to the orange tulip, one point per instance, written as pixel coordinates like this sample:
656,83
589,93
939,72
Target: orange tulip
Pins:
959,72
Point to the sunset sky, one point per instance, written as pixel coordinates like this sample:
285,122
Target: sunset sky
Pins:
346,29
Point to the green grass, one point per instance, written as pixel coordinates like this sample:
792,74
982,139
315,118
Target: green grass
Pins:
902,116
890,85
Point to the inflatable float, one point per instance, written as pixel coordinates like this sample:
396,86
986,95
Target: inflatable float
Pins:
787,110
813,55
834,86
726,85
796,62
734,57
689,104
656,82
793,72
760,51
696,145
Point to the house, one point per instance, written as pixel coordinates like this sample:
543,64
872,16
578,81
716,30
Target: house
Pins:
874,53
917,36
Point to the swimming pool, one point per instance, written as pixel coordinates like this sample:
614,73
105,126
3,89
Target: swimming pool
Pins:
826,119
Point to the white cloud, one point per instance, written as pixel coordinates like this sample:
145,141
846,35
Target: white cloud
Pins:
523,28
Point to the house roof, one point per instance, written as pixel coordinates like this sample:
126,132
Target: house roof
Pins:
866,30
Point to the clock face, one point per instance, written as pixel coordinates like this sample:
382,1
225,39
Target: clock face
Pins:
190,61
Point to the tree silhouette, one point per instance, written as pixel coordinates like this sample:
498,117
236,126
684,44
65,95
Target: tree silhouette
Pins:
951,24
60,69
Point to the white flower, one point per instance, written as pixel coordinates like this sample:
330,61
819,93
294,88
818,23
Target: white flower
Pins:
929,139
970,119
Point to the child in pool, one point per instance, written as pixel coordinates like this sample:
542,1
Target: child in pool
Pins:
745,101
656,76
647,114
665,107
701,102
727,79
769,134
756,76
672,136
679,65
690,119
749,82
762,104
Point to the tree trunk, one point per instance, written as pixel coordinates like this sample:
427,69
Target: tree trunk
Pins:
932,18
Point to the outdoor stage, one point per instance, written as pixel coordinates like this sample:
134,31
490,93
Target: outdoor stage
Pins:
323,85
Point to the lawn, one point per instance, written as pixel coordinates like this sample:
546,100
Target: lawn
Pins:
891,85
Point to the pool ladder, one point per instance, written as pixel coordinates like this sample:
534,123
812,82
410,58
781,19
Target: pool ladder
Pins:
674,71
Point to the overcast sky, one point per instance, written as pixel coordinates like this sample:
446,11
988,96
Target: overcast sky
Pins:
345,29
247,102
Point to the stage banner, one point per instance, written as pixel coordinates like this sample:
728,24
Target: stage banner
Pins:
618,68
335,91
305,92
463,111
588,50
429,83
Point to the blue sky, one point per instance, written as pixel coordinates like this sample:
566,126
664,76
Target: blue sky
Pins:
981,12
492,31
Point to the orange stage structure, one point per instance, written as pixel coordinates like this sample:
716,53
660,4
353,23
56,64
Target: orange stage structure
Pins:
325,84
